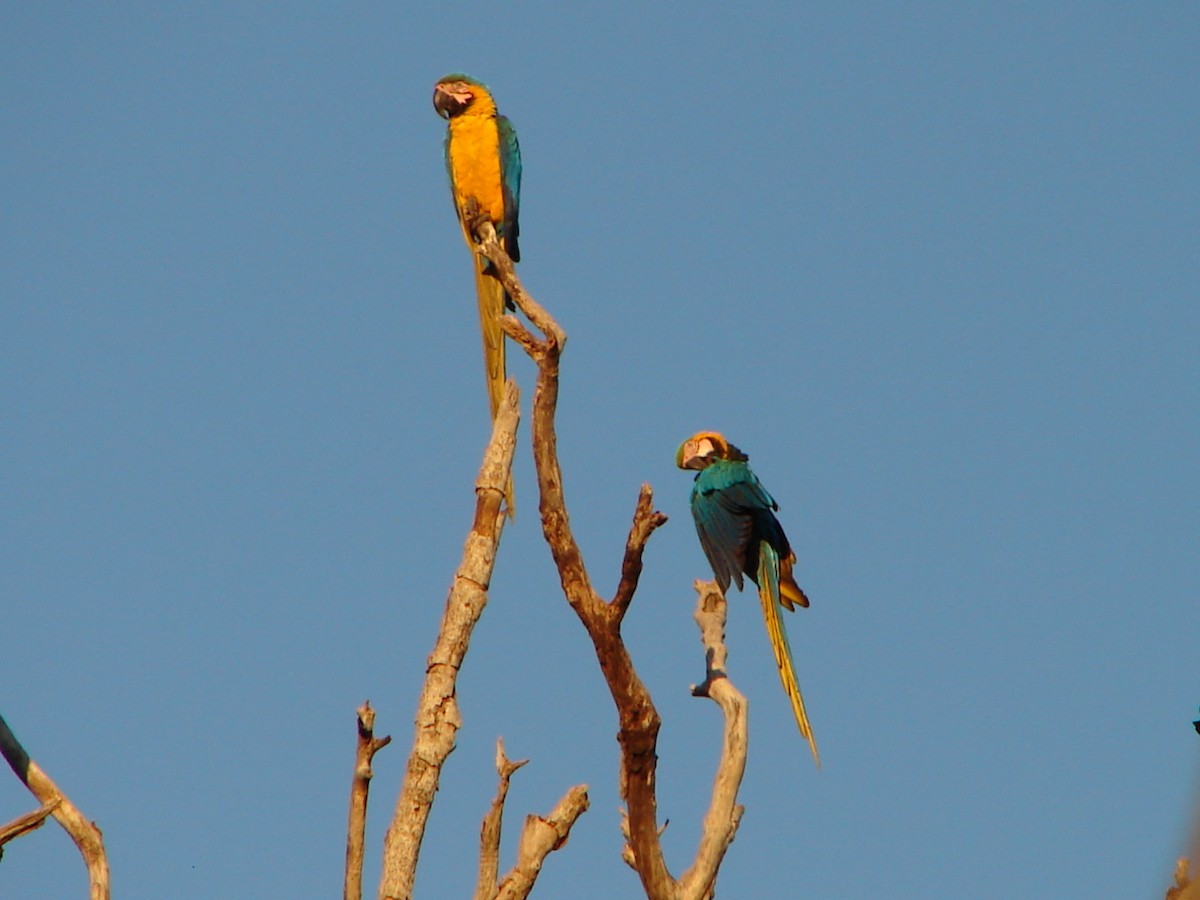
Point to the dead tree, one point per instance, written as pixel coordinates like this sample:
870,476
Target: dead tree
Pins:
438,718
639,722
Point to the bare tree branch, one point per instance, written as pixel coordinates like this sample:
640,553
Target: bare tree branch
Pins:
489,247
85,834
1185,888
368,745
645,520
489,831
639,720
438,719
539,838
724,813
31,821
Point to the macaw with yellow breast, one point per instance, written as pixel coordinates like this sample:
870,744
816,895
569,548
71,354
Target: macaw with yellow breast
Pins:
483,161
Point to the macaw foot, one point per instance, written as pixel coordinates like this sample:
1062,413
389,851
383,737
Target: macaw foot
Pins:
474,217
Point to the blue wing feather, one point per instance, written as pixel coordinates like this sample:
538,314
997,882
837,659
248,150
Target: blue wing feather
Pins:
719,538
510,176
734,517
449,170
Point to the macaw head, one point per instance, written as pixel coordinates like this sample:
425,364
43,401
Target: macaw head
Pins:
456,94
704,448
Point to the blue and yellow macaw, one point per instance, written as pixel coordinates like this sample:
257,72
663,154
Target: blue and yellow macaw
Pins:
735,519
483,161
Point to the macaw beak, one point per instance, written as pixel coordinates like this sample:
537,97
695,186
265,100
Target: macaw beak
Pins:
449,103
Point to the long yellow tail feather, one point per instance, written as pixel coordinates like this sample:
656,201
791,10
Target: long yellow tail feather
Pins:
490,293
783,652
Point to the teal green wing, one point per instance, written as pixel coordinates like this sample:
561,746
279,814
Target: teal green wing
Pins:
510,176
734,514
450,173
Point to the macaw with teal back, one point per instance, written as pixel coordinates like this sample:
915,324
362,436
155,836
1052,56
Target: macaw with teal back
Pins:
735,520
483,161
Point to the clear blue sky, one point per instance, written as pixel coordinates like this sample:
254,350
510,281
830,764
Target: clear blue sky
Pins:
935,270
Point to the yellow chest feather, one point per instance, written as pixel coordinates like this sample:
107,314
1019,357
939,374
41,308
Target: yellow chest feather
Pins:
475,162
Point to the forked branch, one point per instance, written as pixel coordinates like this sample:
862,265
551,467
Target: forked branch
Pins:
360,786
539,838
639,720
489,831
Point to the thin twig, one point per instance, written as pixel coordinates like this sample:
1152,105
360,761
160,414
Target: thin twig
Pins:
489,830
438,719
360,786
31,821
645,520
84,833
